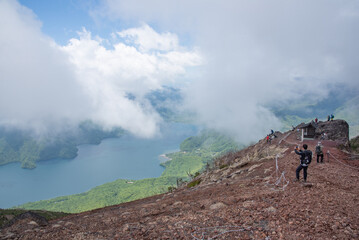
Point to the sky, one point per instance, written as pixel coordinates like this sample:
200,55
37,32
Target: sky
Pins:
65,61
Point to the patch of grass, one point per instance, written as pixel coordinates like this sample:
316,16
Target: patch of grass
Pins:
194,183
223,166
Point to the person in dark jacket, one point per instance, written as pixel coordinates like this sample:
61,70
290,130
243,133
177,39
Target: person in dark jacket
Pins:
305,159
319,152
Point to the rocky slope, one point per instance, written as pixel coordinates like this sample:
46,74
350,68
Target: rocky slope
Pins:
247,195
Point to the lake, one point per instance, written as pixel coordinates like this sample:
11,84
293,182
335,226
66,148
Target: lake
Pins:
126,157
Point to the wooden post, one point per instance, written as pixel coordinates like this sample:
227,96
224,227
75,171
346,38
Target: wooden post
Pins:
328,155
302,135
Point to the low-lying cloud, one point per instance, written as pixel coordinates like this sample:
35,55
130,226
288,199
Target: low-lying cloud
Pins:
259,54
249,56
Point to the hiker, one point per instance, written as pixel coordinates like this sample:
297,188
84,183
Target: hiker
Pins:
293,128
316,120
267,138
332,117
319,152
328,118
305,159
323,136
272,132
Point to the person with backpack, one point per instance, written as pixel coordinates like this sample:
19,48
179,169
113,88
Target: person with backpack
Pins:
305,160
319,152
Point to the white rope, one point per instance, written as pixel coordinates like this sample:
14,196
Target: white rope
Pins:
283,139
276,166
342,162
282,179
282,176
291,142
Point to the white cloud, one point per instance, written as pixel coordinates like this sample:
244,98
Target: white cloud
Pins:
108,75
37,86
259,53
43,85
147,39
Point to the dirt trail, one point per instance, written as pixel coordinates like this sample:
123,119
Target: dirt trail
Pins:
240,201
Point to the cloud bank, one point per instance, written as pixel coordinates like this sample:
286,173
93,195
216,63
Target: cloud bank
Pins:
259,54
235,60
46,87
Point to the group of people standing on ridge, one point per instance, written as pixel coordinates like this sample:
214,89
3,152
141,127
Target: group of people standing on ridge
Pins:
329,118
306,158
270,136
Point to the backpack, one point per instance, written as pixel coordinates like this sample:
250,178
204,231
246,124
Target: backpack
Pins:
307,157
318,149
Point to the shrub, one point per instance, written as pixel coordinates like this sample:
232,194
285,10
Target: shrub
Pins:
194,183
223,166
171,189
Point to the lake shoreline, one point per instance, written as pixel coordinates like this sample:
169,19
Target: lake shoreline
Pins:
125,157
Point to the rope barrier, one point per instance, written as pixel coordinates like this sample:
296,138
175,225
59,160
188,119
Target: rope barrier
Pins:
283,139
342,162
282,176
290,142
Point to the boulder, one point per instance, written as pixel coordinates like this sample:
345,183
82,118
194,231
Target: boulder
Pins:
337,130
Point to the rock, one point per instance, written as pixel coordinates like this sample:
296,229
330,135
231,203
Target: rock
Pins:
253,167
337,130
217,206
33,223
177,203
125,214
247,204
9,217
308,185
271,209
126,227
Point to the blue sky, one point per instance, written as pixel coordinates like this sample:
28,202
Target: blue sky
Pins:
67,61
61,19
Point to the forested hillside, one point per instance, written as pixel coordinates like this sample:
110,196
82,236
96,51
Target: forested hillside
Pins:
21,146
